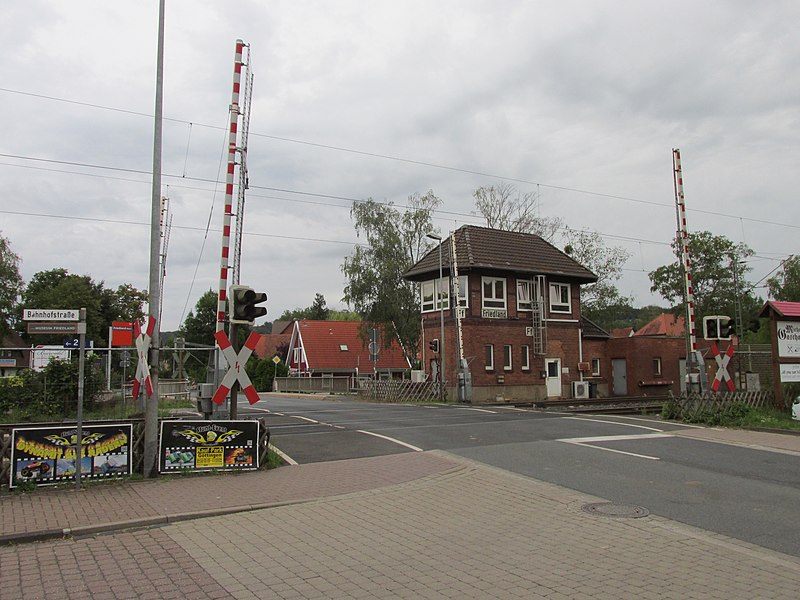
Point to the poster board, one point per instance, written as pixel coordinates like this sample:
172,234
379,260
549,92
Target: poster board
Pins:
46,455
208,446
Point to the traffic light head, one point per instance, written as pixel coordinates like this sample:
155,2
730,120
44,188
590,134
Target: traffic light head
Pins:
243,304
434,345
725,328
711,328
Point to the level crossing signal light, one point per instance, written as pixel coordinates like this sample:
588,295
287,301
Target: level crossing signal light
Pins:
243,305
434,345
725,328
718,327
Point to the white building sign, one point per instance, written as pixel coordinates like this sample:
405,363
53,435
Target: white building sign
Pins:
788,339
790,373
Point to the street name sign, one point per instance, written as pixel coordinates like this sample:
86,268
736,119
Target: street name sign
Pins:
50,314
54,328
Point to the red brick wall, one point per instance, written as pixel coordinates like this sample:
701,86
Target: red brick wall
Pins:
516,383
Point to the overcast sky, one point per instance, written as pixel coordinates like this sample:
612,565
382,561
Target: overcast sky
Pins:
581,102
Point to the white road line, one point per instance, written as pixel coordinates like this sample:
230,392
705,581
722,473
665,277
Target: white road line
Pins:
587,442
283,455
612,450
613,422
491,412
390,439
615,438
305,419
657,421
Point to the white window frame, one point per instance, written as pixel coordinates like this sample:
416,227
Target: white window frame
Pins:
437,292
493,301
488,351
595,367
508,363
557,302
463,291
427,287
525,289
657,366
525,359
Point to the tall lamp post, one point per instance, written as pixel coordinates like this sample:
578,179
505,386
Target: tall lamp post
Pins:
438,238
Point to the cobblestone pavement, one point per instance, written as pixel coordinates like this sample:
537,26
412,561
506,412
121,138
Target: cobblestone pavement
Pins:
410,525
478,532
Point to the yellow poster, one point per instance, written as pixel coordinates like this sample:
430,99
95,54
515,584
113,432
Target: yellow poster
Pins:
210,456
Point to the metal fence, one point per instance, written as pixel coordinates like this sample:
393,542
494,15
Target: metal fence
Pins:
333,385
399,390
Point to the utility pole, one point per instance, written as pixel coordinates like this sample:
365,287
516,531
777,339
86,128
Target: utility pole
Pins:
151,403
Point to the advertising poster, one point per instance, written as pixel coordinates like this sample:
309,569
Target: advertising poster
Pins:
208,446
47,455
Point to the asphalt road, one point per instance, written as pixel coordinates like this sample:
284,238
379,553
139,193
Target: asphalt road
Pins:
749,494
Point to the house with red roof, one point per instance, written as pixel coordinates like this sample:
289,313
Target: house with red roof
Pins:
343,348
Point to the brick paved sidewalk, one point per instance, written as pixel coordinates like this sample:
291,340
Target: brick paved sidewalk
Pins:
49,513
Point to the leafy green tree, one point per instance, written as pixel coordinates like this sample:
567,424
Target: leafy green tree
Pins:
785,285
394,242
199,327
57,288
318,311
343,315
262,371
712,277
505,207
589,249
10,285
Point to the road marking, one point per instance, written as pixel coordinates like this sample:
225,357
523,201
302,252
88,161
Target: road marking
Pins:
283,455
587,442
391,439
613,422
491,412
657,421
305,419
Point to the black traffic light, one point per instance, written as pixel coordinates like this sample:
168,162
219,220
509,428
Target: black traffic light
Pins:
242,304
726,328
711,328
434,345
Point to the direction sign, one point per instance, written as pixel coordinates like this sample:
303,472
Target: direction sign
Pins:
53,327
50,314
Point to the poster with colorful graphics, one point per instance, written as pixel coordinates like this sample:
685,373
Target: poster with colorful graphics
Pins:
208,446
47,455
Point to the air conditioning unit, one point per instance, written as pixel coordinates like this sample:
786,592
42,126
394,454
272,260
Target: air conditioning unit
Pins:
580,389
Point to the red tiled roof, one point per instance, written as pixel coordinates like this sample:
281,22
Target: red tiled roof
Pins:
267,345
337,345
782,309
664,324
622,332
495,249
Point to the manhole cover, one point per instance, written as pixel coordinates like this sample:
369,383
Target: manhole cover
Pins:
620,511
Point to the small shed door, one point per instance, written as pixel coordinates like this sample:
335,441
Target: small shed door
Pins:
620,372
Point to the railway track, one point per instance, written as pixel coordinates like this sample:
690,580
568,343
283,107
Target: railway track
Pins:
620,406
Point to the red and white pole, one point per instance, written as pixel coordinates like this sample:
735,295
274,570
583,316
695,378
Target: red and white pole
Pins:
683,239
226,219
